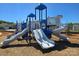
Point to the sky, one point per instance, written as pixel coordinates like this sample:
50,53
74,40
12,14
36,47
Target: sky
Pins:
19,11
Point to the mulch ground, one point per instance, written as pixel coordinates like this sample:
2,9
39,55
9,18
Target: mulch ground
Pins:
21,48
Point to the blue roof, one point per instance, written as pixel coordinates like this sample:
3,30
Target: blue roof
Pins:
31,15
41,7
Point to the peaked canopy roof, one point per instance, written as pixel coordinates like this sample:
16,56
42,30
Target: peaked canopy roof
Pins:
41,7
31,15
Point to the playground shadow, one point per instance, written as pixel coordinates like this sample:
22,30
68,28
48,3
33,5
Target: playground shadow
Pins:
69,44
16,45
60,45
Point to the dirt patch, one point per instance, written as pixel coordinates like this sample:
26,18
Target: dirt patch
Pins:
21,48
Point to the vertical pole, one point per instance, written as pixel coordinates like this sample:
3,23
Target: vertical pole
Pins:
26,21
16,26
39,18
35,18
32,23
46,18
39,15
29,23
35,14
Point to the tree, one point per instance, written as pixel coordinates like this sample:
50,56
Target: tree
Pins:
69,28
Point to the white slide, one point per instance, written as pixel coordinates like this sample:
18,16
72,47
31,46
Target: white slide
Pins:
57,32
12,38
42,40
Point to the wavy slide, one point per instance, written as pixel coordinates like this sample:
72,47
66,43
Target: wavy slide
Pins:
42,40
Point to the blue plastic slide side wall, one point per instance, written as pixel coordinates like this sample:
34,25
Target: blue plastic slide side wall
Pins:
47,32
25,36
23,26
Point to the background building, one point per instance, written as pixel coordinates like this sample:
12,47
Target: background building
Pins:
54,22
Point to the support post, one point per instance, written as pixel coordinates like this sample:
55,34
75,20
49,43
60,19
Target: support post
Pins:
46,18
35,14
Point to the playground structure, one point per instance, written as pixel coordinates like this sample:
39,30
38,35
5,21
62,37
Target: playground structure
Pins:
39,32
